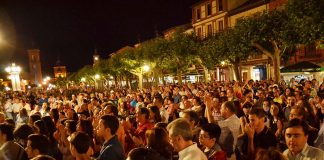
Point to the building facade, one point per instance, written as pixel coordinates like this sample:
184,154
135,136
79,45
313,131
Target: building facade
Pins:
35,68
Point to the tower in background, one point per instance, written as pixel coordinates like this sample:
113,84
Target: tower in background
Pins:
35,67
59,70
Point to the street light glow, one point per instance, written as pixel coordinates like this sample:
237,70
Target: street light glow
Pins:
83,79
146,68
97,76
14,72
223,63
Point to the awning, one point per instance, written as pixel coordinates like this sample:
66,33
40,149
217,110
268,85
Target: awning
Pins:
303,66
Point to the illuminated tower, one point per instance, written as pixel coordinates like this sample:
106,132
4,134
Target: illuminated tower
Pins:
59,70
35,67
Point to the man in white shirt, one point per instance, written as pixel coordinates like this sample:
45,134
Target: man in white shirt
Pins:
180,137
16,106
8,108
231,122
296,135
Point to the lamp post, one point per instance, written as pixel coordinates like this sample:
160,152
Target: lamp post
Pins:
14,72
97,78
144,69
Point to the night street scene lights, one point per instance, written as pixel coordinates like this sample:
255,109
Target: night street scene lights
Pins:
14,72
144,69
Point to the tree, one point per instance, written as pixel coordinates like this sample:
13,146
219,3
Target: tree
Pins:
308,19
271,33
229,45
155,52
181,52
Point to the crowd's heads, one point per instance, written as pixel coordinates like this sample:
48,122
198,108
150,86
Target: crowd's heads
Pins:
296,135
22,132
227,109
6,132
257,117
37,144
269,154
192,117
142,114
108,125
298,112
80,143
155,114
143,154
179,132
209,134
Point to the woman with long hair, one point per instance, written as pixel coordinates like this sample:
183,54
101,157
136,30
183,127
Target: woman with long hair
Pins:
157,140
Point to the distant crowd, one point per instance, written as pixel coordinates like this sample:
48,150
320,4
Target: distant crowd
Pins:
260,120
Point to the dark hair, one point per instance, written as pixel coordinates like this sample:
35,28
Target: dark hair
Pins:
55,114
269,154
113,109
157,139
230,106
193,116
145,111
157,115
161,124
42,127
143,154
35,117
246,91
86,127
72,125
259,112
7,129
39,142
49,124
10,121
298,123
110,122
81,142
23,131
212,129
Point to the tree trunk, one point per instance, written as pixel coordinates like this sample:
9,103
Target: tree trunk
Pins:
140,81
236,72
276,66
156,78
179,77
206,73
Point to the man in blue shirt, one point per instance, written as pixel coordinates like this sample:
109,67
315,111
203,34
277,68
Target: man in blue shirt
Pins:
112,148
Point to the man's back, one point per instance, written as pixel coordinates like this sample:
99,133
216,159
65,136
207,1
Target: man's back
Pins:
112,150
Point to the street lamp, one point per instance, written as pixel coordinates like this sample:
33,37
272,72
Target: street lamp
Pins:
83,79
144,69
14,72
97,76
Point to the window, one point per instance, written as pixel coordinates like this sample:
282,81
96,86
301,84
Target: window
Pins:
198,12
220,5
209,30
220,26
209,9
214,8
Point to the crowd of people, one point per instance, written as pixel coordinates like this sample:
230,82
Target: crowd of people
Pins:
260,120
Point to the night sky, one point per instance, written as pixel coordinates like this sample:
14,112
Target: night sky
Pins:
70,30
